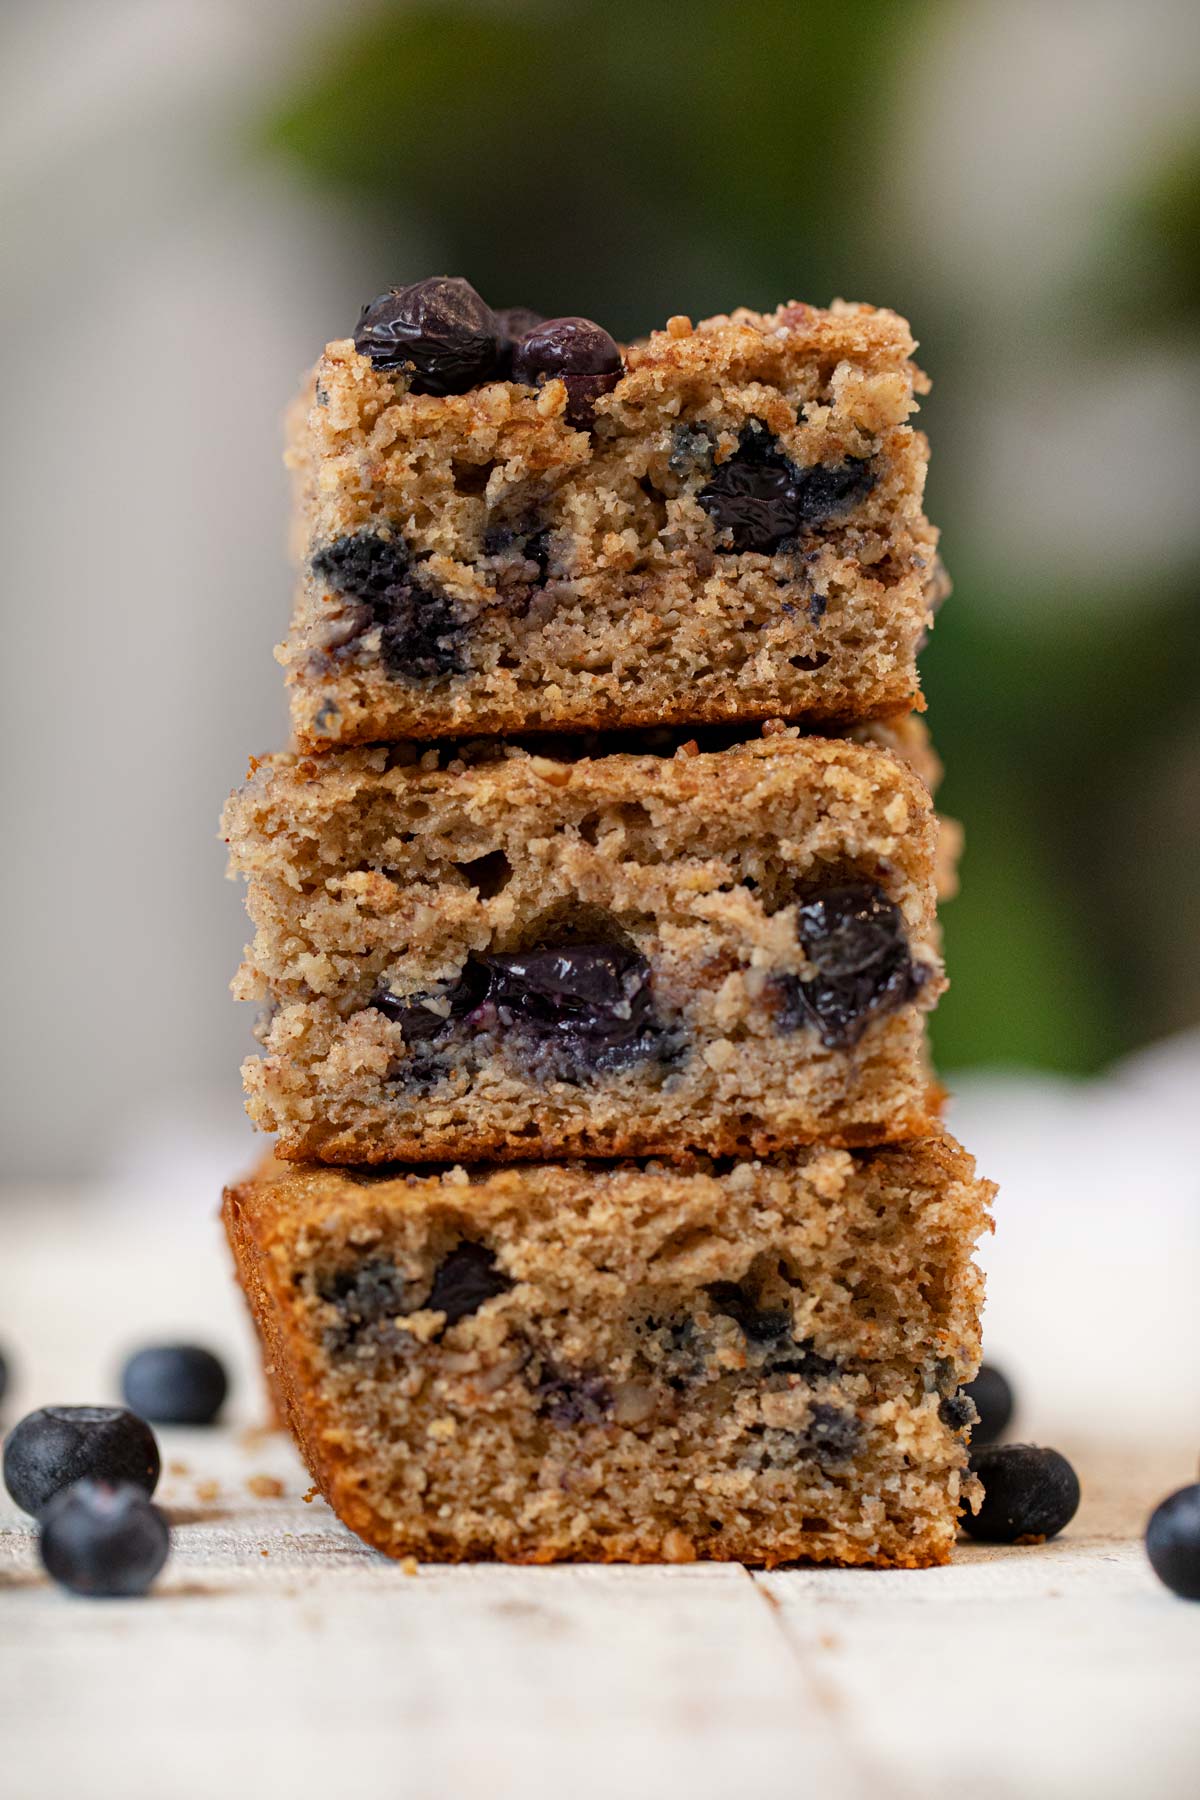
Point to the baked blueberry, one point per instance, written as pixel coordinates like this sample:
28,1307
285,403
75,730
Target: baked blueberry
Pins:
570,1400
425,1017
957,1411
463,1280
1173,1542
758,497
827,491
594,999
439,328
368,1298
1028,1493
993,1397
421,633
57,1445
103,1539
581,353
363,566
175,1384
853,937
751,496
512,322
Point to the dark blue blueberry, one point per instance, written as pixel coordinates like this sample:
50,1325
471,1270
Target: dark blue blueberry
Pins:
594,998
957,1411
421,631
854,938
1173,1542
103,1539
463,1280
993,1397
58,1445
579,352
828,492
758,498
439,328
175,1384
363,566
832,1434
367,1299
1027,1493
512,322
691,451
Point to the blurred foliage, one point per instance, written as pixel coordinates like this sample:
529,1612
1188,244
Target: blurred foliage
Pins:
629,161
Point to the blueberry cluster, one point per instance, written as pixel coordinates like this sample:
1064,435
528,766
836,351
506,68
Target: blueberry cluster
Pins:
420,629
448,340
87,1473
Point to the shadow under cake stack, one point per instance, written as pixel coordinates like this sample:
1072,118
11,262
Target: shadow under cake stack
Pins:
610,1216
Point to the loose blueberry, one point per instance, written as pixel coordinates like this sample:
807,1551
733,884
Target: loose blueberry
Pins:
993,1397
103,1539
175,1384
1173,1542
58,1445
758,497
578,351
439,327
464,1280
853,936
1027,1493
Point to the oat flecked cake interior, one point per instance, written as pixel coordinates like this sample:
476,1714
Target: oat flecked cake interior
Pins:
492,952
757,1361
728,525
595,934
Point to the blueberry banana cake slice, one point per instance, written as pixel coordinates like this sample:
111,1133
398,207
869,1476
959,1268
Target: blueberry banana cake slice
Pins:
756,1361
506,524
494,953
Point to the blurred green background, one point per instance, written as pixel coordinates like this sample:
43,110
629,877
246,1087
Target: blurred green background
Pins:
628,162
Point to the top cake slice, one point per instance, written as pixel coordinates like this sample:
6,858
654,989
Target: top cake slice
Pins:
506,525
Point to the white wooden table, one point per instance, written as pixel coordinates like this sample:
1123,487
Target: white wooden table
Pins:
277,1655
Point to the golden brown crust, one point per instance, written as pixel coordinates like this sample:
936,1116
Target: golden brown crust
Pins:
911,1215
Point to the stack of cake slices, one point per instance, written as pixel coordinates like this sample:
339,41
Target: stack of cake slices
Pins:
595,918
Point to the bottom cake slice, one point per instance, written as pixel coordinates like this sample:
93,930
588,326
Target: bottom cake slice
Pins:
756,1361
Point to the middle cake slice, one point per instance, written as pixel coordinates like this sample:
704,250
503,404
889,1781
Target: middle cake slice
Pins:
490,951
